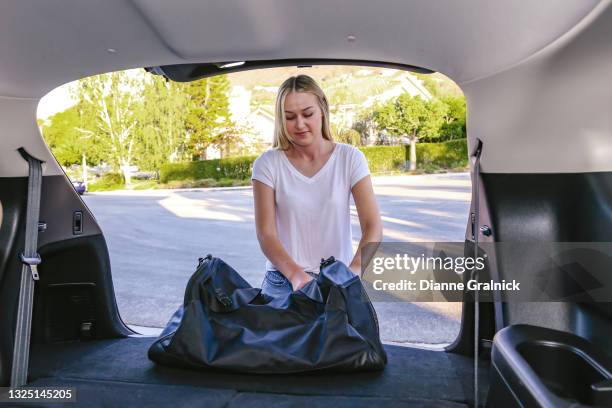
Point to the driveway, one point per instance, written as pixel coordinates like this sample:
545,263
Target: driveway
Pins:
156,236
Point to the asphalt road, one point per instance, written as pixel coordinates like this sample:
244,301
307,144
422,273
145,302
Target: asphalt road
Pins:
155,238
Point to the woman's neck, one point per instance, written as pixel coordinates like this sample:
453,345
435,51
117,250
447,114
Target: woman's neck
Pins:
312,151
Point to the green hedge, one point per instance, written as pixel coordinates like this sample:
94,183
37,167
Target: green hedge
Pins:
380,159
447,155
109,181
384,158
230,168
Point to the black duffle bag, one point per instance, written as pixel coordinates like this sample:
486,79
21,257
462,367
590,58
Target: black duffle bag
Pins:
224,323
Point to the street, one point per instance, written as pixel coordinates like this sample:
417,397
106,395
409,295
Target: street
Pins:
156,236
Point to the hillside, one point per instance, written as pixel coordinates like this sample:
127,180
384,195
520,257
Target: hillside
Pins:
342,84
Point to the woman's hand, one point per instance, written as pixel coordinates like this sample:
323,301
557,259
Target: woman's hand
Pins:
299,280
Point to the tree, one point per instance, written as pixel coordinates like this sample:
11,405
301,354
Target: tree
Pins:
435,115
454,120
366,125
346,135
229,140
69,144
208,115
161,124
63,137
412,118
111,102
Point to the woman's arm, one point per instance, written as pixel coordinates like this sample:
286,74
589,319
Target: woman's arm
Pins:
369,221
265,225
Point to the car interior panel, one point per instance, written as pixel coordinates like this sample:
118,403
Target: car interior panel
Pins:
537,84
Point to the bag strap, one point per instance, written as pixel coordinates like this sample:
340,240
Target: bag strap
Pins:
30,260
474,273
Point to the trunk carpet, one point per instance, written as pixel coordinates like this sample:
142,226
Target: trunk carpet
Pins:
117,372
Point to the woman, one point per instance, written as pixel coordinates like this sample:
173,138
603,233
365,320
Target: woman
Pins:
302,190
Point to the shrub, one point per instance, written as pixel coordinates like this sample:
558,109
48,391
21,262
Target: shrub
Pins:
238,183
225,182
145,185
447,155
230,168
348,136
208,182
234,171
109,181
384,158
190,183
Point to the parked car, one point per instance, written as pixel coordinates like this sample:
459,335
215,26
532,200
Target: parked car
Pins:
80,187
536,76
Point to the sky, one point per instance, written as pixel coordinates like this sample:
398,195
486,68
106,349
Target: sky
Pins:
55,101
60,99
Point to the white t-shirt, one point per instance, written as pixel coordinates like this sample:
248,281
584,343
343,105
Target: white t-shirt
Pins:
313,213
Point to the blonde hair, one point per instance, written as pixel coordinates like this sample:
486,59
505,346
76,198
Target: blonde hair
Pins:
300,83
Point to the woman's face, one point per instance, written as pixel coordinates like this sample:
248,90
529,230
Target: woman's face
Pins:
303,118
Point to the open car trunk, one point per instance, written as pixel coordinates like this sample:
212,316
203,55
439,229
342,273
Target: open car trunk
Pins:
80,341
117,372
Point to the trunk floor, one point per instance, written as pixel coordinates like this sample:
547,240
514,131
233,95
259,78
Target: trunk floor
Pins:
117,372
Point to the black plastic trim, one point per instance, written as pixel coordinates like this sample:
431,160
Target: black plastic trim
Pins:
536,379
192,72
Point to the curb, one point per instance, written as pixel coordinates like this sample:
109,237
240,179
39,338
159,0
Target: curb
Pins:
164,190
381,177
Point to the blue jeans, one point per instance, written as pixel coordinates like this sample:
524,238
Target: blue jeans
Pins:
275,284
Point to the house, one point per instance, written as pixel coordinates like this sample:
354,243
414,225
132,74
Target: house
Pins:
257,124
406,83
343,116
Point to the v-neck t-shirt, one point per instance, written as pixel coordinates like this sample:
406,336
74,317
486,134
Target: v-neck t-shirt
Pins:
313,218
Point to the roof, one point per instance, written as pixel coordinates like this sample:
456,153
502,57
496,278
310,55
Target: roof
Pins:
509,57
68,39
